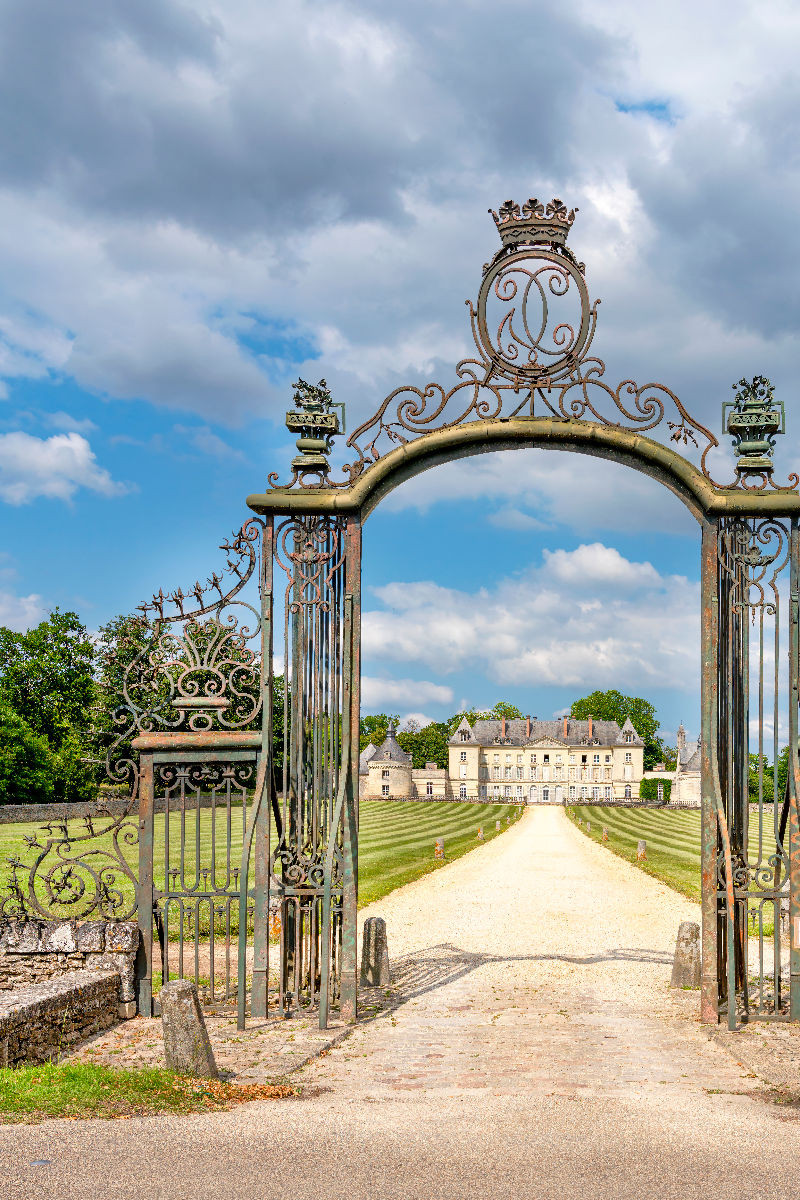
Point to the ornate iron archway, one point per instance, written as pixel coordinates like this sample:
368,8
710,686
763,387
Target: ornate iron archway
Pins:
534,382
275,857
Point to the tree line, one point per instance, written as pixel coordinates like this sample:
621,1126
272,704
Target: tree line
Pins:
60,687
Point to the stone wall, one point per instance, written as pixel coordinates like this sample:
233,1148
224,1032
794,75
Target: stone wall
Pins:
39,1022
33,951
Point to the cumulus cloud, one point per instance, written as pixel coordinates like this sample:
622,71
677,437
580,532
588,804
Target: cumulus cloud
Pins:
163,193
377,692
54,467
21,612
579,618
535,489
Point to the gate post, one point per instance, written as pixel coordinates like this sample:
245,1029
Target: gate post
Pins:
709,682
144,890
792,776
351,713
261,889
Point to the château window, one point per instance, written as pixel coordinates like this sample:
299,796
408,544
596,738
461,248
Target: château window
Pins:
384,774
462,791
464,735
628,756
429,788
520,774
545,795
385,789
596,758
572,793
607,793
546,758
628,792
608,758
463,756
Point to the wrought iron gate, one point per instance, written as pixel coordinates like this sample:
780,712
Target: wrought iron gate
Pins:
246,782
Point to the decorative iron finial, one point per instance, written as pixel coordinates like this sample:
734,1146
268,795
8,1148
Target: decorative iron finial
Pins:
317,427
535,223
754,420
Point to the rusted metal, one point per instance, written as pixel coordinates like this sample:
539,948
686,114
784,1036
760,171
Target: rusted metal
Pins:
195,722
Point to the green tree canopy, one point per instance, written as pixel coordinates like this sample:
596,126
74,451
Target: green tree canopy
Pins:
26,761
47,675
614,706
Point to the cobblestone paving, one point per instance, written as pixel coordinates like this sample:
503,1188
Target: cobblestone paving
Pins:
540,965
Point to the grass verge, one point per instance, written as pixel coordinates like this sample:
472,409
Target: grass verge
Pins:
78,1090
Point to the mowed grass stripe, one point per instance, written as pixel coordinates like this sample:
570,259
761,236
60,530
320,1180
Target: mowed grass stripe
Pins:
673,840
396,842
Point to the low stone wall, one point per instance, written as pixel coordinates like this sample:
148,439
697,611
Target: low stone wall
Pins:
39,1022
33,951
42,814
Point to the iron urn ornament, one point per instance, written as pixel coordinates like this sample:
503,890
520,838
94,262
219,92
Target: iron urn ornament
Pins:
754,418
317,427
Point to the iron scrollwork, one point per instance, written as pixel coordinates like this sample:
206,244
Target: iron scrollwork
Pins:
532,362
189,663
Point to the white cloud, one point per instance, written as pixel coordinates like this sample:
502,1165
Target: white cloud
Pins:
583,618
538,488
54,467
377,692
21,612
68,423
207,442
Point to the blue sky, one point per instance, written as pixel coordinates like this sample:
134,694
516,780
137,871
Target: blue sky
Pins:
200,202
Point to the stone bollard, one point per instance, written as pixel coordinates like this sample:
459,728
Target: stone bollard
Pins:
686,964
375,954
497,825
508,819
438,849
588,826
187,1050
641,851
480,833
580,822
605,834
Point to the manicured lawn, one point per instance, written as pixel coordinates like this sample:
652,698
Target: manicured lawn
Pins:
672,836
396,843
32,1093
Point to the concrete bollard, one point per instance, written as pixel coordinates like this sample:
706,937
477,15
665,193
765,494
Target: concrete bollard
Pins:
375,954
686,964
605,834
480,833
187,1050
497,825
438,850
641,851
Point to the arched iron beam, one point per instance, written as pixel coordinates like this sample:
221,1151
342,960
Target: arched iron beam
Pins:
625,446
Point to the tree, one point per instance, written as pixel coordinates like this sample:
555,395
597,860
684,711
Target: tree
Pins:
613,706
374,728
429,744
47,675
500,710
26,761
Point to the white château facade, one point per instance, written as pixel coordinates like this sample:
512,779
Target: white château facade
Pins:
523,761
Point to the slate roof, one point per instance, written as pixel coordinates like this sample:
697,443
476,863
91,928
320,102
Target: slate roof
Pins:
605,733
391,750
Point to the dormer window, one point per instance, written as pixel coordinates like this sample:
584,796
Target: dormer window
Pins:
628,737
464,735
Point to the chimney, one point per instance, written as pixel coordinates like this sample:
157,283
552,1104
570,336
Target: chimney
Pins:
590,726
503,728
565,727
529,726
